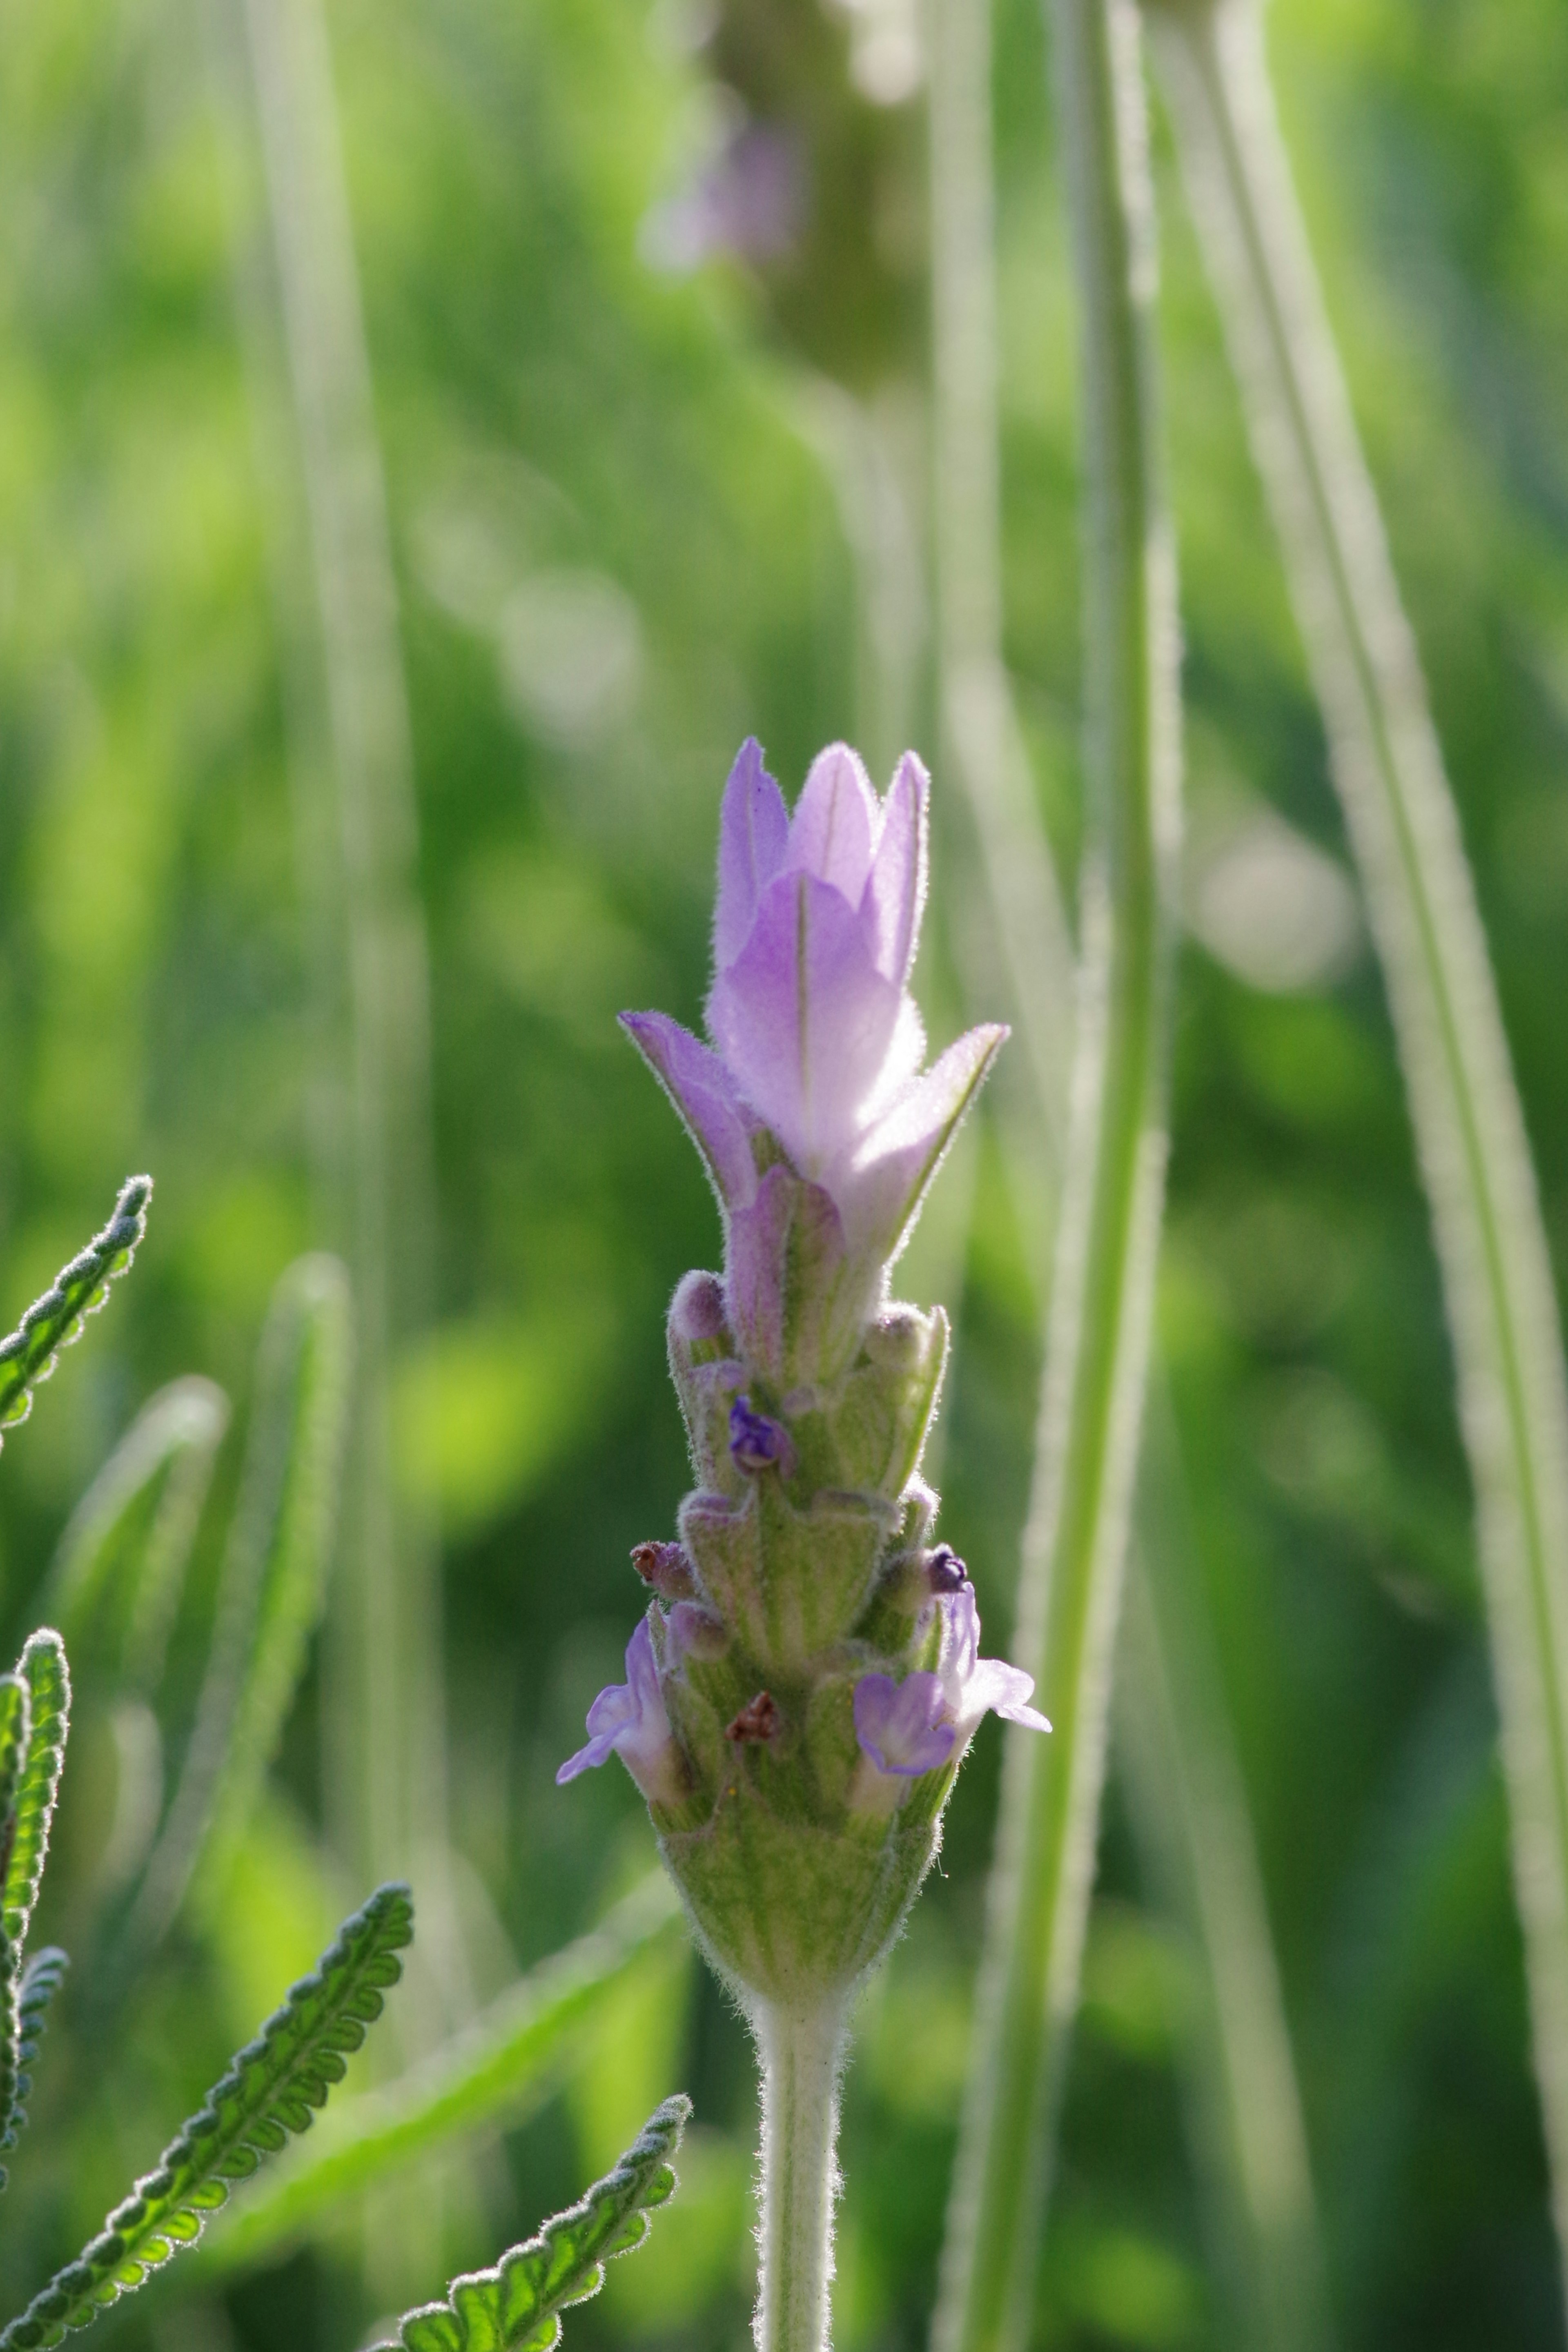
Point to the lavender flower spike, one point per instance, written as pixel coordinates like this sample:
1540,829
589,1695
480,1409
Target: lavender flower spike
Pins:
808,1673
630,1719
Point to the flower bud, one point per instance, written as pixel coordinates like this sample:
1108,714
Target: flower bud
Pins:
665,1566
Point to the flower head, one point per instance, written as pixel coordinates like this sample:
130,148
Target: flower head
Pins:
819,1042
630,1719
912,1728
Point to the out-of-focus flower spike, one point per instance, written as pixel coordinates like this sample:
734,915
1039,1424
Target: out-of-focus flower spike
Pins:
753,834
836,824
703,1092
896,889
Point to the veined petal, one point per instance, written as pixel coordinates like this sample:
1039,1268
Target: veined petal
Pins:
753,834
703,1092
836,823
880,1187
629,1720
804,1020
896,888
1006,1691
903,1728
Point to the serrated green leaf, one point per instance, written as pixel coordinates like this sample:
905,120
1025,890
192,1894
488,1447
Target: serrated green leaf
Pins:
499,2068
116,1579
278,2078
272,1588
16,1716
53,1321
15,1725
41,1982
42,1667
517,2305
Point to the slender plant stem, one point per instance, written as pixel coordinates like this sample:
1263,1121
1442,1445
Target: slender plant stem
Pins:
1172,1730
801,2052
1104,1287
1469,1128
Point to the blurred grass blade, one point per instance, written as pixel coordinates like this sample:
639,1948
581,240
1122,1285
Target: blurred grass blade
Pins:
387,1778
272,2088
117,1577
498,2069
1190,1815
1188,1797
1102,1292
517,2307
1475,1159
53,1321
42,1666
1023,928
272,1588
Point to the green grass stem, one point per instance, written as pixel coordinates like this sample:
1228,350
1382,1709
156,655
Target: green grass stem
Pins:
1103,1282
1404,829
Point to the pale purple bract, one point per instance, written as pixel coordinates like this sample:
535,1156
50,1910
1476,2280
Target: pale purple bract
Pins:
819,1042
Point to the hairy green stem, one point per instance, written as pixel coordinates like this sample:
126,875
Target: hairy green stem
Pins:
1469,1128
1103,1286
801,2052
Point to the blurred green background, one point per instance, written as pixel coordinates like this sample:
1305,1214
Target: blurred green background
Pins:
620,467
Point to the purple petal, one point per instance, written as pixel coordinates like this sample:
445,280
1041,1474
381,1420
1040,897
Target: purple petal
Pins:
642,1669
835,824
628,1718
880,1190
702,1091
1006,1691
598,1751
895,892
805,1021
753,833
903,1728
960,1639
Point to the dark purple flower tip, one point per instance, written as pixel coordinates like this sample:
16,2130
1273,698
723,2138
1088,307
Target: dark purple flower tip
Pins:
755,1442
945,1572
